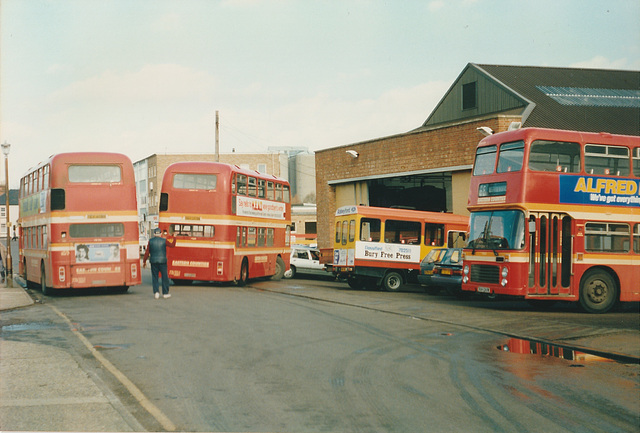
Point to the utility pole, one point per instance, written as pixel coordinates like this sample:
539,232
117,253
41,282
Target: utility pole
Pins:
217,137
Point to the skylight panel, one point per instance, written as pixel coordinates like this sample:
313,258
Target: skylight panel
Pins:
589,97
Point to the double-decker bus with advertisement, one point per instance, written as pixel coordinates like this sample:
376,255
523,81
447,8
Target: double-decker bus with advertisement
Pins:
555,216
231,224
382,247
79,222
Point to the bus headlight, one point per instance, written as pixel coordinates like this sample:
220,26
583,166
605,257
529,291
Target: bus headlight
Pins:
465,272
504,273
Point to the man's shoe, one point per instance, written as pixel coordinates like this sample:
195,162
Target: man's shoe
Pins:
166,296
156,295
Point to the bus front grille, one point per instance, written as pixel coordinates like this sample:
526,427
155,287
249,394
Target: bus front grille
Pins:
485,274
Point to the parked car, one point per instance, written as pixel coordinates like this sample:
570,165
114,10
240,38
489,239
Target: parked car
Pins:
426,269
447,274
305,260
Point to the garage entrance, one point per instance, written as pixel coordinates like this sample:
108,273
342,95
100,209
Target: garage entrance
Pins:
427,192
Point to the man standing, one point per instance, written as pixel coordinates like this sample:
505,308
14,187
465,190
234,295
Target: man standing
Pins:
157,255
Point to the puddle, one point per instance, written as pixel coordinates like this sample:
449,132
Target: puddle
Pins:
31,326
539,349
111,346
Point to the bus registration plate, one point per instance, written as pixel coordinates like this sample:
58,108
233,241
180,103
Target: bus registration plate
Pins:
483,289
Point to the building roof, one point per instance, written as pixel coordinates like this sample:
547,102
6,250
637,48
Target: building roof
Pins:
593,100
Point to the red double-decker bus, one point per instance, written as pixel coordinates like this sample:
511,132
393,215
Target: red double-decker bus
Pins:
555,216
79,222
231,224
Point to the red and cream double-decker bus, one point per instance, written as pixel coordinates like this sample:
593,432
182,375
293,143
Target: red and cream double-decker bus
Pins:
231,224
555,216
79,222
382,247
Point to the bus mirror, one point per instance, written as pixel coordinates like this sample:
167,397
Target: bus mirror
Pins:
532,226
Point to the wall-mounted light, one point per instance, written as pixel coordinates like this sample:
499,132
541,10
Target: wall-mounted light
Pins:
485,130
353,153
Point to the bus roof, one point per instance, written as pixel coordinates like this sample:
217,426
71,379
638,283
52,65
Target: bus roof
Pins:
81,158
560,134
396,213
217,167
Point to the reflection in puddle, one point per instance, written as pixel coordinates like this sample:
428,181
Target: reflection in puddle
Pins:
111,346
537,348
31,326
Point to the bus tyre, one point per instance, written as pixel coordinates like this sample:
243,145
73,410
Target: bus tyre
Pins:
392,282
280,268
598,292
43,281
244,273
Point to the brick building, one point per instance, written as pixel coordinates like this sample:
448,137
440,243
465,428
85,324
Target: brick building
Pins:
429,168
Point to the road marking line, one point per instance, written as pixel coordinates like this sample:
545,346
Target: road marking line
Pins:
124,380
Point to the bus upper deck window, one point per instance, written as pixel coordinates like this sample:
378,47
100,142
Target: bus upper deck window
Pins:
607,160
636,161
557,156
485,160
510,157
271,194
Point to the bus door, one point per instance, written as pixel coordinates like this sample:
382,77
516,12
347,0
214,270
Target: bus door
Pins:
550,253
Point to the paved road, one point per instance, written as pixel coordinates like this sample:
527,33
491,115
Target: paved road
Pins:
306,355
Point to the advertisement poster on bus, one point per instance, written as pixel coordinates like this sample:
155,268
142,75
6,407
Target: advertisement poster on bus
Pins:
253,207
400,253
96,253
594,190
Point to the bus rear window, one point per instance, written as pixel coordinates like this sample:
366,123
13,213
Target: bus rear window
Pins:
558,156
194,181
95,173
96,230
193,230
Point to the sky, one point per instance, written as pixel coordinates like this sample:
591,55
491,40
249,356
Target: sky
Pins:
147,76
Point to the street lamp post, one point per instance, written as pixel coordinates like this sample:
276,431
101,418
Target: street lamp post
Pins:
9,270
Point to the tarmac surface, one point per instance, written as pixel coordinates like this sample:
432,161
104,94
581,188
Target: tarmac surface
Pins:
36,381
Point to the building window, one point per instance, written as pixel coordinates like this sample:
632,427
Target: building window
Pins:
262,168
469,96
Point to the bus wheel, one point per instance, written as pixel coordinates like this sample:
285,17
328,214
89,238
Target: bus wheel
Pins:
244,273
598,292
279,269
392,282
43,282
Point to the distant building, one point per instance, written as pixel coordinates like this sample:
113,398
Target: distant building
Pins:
14,210
429,168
